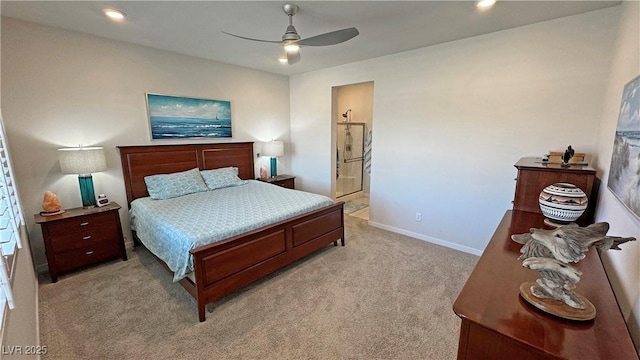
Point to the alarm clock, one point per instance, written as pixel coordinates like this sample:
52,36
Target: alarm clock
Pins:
102,200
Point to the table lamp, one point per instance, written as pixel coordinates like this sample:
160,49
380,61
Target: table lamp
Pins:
274,149
83,161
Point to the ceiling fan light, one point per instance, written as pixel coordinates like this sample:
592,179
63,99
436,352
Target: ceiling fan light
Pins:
291,47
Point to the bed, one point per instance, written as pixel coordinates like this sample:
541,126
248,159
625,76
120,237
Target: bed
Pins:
224,266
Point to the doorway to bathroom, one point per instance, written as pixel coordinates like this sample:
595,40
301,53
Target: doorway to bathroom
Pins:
353,119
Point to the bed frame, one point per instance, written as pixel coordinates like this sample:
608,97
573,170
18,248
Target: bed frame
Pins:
228,265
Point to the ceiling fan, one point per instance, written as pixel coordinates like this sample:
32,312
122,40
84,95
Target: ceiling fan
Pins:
292,42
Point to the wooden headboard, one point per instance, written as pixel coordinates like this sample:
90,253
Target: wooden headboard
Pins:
145,160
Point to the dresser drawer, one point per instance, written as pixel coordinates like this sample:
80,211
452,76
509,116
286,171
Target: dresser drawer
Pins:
80,239
80,223
86,255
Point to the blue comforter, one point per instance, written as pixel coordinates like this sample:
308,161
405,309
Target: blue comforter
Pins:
170,228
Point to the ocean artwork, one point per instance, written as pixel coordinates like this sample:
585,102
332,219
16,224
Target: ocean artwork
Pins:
624,173
173,117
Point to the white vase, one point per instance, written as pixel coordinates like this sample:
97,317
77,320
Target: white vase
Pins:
562,202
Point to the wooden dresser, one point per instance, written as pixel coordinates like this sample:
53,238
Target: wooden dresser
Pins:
80,237
498,324
534,175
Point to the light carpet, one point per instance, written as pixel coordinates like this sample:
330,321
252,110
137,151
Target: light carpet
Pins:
382,296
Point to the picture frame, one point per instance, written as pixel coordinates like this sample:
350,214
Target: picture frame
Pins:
624,171
177,117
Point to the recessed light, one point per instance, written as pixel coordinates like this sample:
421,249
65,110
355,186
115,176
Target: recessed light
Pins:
114,14
485,4
283,60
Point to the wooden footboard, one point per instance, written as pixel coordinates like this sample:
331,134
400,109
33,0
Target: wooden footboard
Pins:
226,266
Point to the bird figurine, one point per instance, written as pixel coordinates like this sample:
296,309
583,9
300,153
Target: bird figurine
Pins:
568,154
550,251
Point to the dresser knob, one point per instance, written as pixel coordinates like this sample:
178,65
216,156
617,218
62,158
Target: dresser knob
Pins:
89,253
86,237
84,223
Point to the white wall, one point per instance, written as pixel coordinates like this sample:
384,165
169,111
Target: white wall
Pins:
623,267
61,88
450,121
21,327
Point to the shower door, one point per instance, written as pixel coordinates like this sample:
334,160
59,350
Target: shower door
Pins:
350,158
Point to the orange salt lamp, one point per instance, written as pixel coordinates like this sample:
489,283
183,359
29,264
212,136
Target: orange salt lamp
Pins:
51,204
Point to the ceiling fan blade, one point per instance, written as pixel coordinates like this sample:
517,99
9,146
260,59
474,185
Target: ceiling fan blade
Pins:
246,38
293,57
330,38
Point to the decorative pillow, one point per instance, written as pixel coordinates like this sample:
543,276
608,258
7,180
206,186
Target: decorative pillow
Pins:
220,178
167,186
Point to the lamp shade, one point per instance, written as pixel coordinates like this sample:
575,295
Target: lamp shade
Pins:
82,160
273,148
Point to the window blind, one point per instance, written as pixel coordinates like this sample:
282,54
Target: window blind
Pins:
11,225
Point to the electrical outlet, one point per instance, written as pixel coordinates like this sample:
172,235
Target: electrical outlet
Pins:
418,216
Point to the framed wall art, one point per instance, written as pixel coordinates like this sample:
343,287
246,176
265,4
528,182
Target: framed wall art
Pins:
624,172
174,117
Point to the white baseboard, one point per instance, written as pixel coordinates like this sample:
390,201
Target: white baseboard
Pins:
430,239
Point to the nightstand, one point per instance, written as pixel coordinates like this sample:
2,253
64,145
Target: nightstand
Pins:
286,181
80,237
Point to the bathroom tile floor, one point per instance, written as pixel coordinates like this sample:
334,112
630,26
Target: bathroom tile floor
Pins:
364,212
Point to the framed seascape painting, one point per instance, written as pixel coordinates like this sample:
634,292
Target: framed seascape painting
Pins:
624,173
174,117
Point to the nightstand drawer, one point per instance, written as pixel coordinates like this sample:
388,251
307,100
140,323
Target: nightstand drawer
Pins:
87,255
288,183
80,223
80,239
